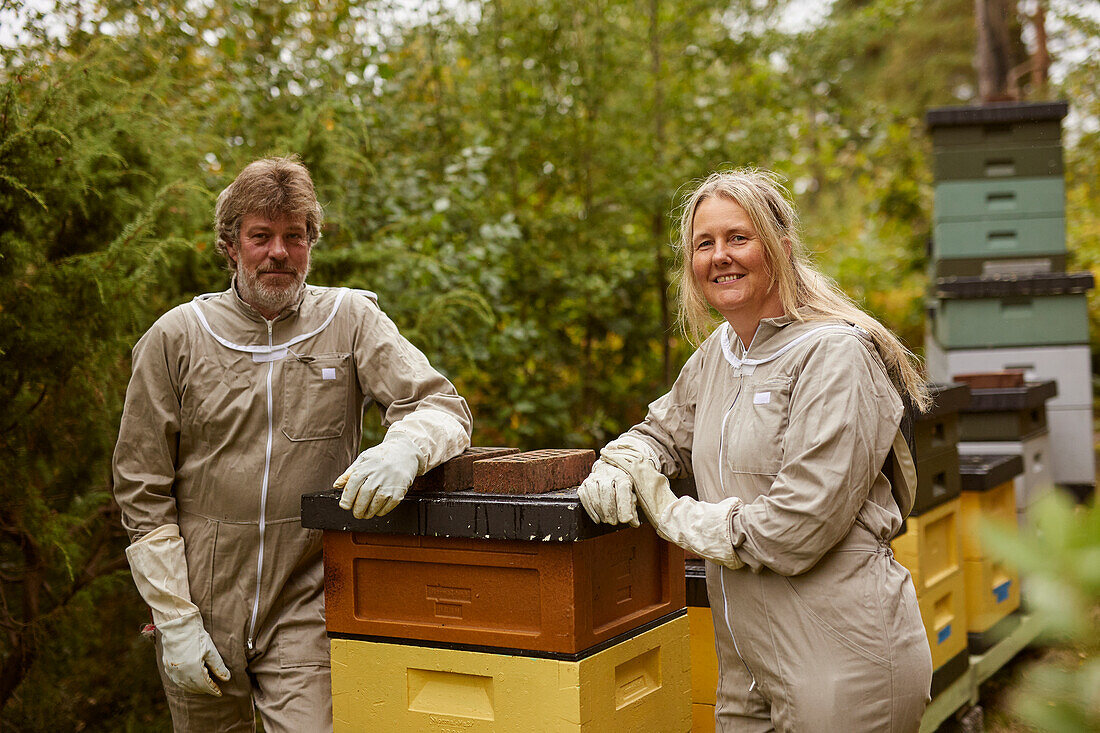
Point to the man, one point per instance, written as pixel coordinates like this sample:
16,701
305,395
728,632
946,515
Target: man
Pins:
239,403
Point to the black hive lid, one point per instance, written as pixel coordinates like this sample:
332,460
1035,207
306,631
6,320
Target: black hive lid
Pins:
1009,399
983,472
1054,283
556,516
946,398
1000,112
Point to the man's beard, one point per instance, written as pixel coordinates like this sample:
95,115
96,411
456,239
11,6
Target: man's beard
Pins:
262,295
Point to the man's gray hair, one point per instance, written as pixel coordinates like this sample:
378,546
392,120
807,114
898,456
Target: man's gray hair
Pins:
273,188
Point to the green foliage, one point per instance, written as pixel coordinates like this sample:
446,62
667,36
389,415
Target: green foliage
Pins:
91,245
1059,562
1082,86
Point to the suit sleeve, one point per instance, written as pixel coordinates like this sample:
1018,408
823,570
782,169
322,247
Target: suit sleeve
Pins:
844,413
144,461
670,423
415,399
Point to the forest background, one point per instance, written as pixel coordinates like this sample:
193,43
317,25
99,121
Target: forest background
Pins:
502,173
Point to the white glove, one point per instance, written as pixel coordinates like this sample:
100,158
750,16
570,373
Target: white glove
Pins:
698,526
186,650
608,495
379,478
159,566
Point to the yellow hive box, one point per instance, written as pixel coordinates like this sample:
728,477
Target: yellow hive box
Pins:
930,546
979,507
704,659
992,592
702,718
643,683
943,610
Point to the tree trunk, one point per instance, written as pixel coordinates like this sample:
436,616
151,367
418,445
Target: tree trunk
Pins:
1040,58
993,57
657,221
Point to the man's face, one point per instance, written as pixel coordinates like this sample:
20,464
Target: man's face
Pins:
272,261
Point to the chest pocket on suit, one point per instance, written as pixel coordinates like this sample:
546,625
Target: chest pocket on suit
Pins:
315,396
756,429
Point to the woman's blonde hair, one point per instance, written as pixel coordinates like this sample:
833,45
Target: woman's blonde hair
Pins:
767,202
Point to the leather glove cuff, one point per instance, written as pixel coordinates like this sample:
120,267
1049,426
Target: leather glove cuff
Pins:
159,566
436,436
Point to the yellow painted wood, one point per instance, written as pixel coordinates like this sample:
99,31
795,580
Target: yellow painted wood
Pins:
992,592
997,504
704,659
943,610
643,683
702,718
930,546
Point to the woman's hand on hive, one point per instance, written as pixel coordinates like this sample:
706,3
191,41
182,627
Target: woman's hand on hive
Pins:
608,495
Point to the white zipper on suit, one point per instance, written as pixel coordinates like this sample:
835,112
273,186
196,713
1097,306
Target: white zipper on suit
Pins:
260,354
743,367
721,574
249,644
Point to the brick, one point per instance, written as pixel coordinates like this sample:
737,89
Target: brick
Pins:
534,472
457,474
992,380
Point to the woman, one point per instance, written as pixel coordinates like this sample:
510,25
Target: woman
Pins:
787,416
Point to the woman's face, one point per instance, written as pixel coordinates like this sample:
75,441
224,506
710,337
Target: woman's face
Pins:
727,258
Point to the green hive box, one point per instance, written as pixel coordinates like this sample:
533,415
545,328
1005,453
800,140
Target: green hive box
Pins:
1004,237
1040,310
1011,321
998,199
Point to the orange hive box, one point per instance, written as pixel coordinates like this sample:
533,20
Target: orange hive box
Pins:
526,596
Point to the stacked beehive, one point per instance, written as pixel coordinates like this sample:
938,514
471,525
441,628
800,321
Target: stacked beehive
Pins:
1001,296
992,588
503,611
929,547
1008,416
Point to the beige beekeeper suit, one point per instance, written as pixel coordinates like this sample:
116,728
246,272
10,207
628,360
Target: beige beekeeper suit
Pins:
820,630
229,419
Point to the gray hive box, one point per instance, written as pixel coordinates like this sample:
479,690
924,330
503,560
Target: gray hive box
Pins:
1009,140
998,124
1007,413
